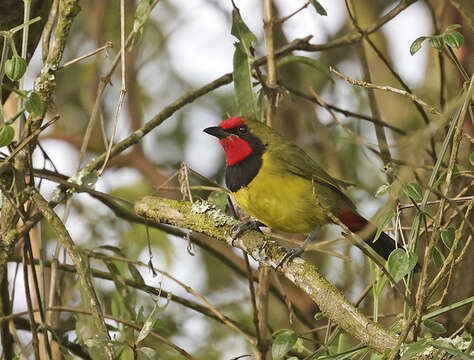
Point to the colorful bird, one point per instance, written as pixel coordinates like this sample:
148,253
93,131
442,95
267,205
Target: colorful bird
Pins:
277,183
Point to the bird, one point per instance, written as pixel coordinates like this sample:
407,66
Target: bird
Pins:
283,188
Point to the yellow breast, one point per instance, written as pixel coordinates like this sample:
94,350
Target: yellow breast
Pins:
281,200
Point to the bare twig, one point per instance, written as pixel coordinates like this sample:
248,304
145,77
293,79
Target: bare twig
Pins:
286,18
108,45
365,84
123,89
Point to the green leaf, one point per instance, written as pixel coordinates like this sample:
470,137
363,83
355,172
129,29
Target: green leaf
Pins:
454,39
135,274
447,236
142,13
412,190
242,32
416,45
385,220
140,316
148,325
400,263
434,326
315,64
243,83
436,42
151,319
408,351
452,27
471,158
15,68
35,105
319,8
148,353
7,133
284,341
438,257
383,189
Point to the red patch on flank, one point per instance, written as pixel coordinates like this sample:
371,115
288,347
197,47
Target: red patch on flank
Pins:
352,220
235,149
231,123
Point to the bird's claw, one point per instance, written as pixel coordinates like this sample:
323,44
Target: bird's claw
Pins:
240,228
290,254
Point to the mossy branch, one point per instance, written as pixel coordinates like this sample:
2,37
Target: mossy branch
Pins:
203,217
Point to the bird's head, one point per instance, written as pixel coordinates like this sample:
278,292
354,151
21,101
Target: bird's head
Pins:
238,139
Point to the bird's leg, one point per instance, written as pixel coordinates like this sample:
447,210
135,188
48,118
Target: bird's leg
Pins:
292,253
242,227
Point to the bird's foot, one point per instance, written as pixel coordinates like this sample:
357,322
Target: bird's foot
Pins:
242,227
290,254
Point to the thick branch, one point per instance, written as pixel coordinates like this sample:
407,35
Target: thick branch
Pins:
202,217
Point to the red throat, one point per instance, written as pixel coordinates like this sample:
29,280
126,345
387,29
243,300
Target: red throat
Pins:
235,149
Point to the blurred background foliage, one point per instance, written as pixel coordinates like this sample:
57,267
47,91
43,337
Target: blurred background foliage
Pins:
178,52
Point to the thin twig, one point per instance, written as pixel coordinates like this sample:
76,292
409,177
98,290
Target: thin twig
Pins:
123,89
346,112
108,45
216,312
365,84
28,139
286,18
385,155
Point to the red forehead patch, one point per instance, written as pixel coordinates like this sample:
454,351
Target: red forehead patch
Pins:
231,123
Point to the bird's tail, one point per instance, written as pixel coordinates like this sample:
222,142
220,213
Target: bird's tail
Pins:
384,245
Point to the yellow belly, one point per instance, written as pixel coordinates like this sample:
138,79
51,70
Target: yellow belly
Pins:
283,201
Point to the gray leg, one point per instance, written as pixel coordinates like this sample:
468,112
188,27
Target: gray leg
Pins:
292,253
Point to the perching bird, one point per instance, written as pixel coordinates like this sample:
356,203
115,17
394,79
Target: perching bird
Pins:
281,186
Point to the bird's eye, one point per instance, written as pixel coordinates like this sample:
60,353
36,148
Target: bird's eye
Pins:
243,130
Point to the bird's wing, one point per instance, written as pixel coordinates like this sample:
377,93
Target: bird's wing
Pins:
296,161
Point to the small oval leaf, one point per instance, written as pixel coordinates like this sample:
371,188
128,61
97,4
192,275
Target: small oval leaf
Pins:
35,105
452,27
454,39
434,326
15,68
416,45
7,133
437,42
399,264
448,237
319,8
283,343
